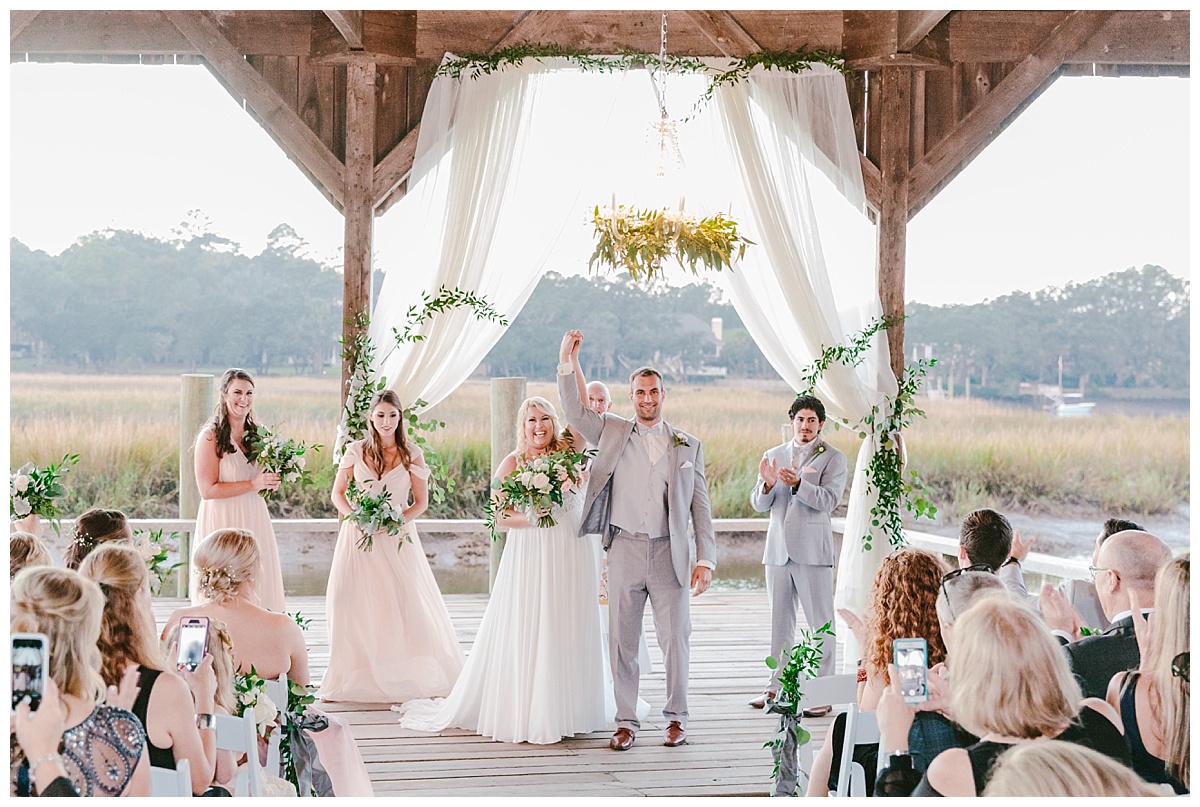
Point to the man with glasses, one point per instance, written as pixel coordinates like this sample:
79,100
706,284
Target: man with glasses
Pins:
1124,576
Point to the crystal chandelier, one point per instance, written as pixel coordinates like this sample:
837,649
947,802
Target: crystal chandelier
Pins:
664,129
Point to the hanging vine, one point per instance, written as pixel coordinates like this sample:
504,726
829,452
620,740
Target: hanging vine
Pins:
885,471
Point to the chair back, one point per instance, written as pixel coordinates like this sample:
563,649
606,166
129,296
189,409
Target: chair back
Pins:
277,691
828,689
862,728
238,734
172,783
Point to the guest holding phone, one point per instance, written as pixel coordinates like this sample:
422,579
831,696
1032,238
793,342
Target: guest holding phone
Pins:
390,635
102,749
230,482
171,705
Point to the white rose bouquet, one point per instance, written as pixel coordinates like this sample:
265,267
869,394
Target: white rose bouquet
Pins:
277,455
373,513
157,554
535,486
251,693
32,490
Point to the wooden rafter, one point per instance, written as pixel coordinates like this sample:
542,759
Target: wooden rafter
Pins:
202,30
913,26
896,86
394,169
531,26
982,121
872,182
350,25
18,21
724,32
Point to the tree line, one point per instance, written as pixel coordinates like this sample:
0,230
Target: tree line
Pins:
120,301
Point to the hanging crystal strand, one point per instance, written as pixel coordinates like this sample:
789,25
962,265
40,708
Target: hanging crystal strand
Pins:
668,140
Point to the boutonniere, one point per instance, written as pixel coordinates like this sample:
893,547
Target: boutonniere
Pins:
819,450
681,440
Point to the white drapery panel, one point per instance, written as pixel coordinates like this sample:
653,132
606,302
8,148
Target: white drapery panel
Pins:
475,218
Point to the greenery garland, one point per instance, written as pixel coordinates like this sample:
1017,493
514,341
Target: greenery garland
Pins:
364,381
638,241
474,65
885,471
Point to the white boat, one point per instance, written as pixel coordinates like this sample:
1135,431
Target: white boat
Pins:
1074,410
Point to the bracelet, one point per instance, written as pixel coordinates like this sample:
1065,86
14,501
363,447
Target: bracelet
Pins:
206,722
33,764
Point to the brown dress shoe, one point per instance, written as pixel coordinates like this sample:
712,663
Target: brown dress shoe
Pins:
622,740
817,711
761,701
676,735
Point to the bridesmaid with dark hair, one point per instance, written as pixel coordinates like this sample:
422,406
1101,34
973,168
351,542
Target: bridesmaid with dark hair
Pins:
230,482
92,529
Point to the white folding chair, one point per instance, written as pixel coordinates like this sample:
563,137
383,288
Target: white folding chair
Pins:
237,734
829,689
167,782
276,689
862,728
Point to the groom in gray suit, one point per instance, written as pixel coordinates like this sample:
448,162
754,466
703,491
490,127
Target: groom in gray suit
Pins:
647,480
801,483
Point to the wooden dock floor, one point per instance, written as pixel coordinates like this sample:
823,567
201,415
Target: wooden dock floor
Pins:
724,755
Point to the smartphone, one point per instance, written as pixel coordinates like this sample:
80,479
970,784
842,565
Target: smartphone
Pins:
193,642
30,666
911,657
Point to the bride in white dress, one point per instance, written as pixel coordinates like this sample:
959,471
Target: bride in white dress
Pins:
534,673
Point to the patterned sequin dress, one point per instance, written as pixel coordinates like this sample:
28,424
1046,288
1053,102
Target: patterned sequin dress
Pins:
99,754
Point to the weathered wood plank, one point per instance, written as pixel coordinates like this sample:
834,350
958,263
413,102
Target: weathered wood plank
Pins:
18,21
726,34
349,24
912,26
281,120
895,133
360,199
395,167
529,26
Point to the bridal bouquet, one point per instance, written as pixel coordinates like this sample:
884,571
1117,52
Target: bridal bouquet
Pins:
32,490
149,544
277,455
535,486
373,512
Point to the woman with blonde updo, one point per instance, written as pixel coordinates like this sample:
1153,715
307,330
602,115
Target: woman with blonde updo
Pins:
390,635
95,527
230,482
104,747
168,701
226,564
26,549
1053,769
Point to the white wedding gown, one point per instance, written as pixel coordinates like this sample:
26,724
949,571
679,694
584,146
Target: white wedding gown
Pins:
535,671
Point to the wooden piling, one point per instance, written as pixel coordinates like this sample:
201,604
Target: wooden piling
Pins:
195,407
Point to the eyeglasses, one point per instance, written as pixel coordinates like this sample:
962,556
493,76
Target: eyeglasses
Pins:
1181,666
1093,569
976,567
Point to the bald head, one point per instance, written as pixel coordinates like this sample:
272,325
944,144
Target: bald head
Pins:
599,400
1129,560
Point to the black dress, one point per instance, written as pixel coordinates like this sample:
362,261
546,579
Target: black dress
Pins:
1148,766
1090,729
147,678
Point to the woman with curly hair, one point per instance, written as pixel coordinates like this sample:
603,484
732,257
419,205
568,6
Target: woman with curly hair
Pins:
902,605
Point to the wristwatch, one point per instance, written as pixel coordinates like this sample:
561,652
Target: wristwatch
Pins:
206,722
1011,559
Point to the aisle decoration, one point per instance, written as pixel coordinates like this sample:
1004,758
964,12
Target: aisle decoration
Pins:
639,241
373,513
157,555
535,486
885,472
804,660
297,751
283,456
250,696
32,490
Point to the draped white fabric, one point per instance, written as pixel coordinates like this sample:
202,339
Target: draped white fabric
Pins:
475,218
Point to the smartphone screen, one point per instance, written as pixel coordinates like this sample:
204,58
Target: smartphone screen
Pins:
910,656
193,641
28,668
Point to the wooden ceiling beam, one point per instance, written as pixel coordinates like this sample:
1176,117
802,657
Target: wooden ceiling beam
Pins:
18,21
350,25
1129,37
301,144
385,37
873,40
394,169
913,26
725,33
982,122
530,26
872,183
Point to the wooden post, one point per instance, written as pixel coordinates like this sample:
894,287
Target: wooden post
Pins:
195,407
359,202
507,395
895,128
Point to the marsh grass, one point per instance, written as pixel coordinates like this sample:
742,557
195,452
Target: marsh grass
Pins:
971,453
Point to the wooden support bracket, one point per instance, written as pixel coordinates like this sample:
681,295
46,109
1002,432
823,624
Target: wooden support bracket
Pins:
18,21
982,122
530,27
350,25
724,32
394,169
302,145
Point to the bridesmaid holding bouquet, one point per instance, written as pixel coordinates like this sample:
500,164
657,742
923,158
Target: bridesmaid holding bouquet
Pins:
230,482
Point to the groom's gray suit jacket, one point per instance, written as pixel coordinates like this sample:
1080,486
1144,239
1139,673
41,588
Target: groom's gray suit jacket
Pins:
799,527
687,490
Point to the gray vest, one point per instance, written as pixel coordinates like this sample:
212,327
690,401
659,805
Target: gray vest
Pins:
639,490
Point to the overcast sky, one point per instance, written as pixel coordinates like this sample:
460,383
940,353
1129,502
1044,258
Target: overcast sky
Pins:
1092,178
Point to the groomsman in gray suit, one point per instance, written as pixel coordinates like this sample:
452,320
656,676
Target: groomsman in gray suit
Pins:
646,483
801,483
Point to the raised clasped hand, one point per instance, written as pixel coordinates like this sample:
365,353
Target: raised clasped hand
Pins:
789,477
769,471
571,342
